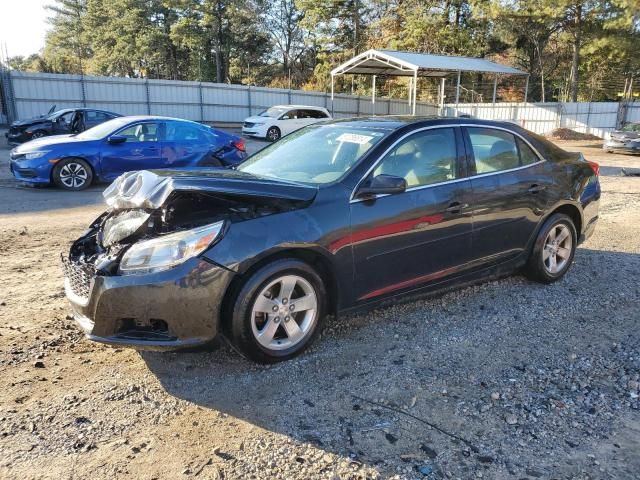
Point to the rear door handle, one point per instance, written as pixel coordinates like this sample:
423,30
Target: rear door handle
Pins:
456,207
535,188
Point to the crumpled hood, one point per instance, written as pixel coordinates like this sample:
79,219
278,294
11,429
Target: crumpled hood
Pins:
29,121
149,189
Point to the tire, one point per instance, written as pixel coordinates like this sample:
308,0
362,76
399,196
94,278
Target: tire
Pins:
39,134
269,331
553,250
72,174
273,134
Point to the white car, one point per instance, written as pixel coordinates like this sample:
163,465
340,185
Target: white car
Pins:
280,120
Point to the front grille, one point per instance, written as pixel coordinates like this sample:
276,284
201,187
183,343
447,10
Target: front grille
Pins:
26,173
79,278
248,124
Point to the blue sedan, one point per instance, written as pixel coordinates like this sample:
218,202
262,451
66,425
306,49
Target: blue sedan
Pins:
120,145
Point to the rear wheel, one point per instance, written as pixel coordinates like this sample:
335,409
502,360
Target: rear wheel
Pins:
273,134
278,311
72,174
553,250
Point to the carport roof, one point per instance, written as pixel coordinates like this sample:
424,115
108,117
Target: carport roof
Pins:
389,62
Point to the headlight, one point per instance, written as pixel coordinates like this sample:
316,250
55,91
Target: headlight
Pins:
34,155
169,250
123,225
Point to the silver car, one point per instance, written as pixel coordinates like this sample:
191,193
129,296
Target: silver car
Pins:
625,140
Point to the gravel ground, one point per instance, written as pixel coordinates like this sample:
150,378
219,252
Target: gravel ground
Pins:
503,380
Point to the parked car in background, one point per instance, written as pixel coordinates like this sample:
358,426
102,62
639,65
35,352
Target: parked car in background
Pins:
104,152
625,140
281,120
69,120
337,217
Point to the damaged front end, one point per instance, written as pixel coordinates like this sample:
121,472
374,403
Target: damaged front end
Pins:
137,277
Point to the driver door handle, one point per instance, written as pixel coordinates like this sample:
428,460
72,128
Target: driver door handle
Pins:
456,207
535,188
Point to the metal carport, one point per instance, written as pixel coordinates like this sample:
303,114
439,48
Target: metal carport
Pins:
414,65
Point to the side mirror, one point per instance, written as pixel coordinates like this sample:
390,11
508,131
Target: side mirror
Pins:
382,185
116,139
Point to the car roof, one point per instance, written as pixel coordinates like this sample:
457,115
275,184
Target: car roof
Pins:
394,122
310,107
141,118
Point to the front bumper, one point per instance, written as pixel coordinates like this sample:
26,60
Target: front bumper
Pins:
31,172
16,138
255,131
168,310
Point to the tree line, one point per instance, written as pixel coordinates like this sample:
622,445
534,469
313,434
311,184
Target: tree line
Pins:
572,49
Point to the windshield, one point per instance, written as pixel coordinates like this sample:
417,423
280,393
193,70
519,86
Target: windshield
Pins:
57,114
273,112
104,129
316,154
631,127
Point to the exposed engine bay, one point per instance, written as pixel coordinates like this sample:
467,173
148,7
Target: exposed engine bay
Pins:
132,217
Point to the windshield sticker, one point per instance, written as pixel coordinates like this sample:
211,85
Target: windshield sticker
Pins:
354,138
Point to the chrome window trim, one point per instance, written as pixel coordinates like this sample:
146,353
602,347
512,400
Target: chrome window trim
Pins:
541,159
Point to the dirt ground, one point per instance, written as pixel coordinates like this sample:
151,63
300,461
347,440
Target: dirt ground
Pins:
506,379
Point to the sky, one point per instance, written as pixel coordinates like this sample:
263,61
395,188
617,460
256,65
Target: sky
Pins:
23,24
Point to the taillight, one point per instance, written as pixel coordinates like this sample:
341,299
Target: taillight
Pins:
239,144
595,167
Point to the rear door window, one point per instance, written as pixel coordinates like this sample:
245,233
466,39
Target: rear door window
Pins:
527,156
493,150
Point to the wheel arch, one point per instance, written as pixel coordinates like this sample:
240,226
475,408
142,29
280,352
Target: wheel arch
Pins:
74,157
573,212
318,261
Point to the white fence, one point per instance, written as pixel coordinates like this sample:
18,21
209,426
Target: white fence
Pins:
30,94
596,118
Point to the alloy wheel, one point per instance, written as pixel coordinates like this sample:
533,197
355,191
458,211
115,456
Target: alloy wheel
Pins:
557,249
73,175
273,134
37,135
284,312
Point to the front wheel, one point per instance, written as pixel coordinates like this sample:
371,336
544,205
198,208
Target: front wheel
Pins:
553,250
273,134
278,311
72,174
38,134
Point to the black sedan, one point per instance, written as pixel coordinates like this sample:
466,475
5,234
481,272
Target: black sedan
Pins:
330,219
60,122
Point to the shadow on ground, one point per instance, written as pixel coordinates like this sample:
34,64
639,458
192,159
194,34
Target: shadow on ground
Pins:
431,359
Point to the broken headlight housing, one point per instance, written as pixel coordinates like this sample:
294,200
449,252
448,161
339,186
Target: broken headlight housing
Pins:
123,225
168,251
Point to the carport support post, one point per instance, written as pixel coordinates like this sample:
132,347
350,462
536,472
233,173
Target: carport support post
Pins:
415,91
526,89
373,94
457,92
332,95
442,82
495,88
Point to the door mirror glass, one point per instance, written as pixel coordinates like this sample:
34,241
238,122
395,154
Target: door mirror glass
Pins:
382,185
116,139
